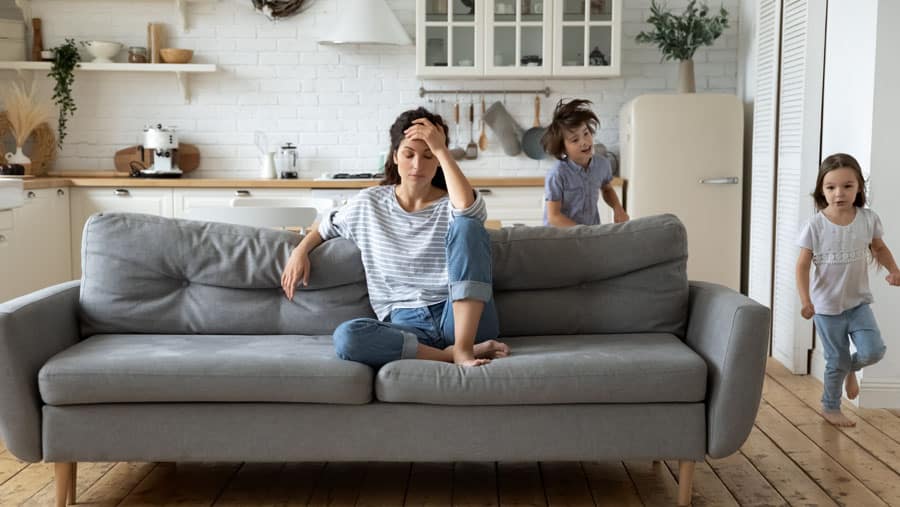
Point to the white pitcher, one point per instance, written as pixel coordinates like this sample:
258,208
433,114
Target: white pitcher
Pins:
18,157
267,168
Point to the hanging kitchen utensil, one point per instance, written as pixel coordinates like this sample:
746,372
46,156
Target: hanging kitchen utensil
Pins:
531,140
457,151
504,125
472,148
482,139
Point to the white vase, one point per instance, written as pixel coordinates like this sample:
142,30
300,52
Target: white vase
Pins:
686,76
267,168
20,158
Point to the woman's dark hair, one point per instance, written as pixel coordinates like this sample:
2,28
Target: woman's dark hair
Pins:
568,116
831,163
398,129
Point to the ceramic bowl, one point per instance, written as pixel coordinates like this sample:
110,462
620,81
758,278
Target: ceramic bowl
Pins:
175,55
103,51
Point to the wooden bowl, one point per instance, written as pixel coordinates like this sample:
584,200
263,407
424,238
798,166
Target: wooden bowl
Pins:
175,55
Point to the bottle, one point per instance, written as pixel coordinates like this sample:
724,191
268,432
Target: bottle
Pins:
137,54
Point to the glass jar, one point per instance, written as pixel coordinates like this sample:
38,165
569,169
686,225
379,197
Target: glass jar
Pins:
137,54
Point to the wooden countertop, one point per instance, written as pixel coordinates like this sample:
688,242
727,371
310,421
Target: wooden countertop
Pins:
64,181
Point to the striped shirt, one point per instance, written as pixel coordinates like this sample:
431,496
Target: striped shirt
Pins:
404,254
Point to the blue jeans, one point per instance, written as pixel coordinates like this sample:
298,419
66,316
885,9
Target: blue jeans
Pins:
836,331
376,342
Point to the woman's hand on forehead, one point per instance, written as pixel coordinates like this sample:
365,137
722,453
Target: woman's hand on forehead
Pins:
424,130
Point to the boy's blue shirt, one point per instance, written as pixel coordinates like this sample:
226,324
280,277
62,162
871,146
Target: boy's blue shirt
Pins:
577,190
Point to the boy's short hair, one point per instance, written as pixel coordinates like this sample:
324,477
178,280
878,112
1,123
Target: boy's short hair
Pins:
567,116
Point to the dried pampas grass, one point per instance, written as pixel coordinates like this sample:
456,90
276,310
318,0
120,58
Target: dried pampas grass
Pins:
42,150
24,111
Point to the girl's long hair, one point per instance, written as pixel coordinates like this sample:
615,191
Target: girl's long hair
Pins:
398,129
831,163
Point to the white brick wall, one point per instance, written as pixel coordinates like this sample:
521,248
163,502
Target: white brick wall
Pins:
336,103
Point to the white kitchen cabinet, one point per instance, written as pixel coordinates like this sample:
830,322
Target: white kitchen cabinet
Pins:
187,198
449,38
514,205
87,201
587,38
34,243
43,239
518,38
9,279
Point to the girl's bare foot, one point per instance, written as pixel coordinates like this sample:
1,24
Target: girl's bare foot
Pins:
491,349
851,384
837,418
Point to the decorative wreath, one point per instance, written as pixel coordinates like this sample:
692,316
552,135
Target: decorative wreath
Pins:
278,9
43,145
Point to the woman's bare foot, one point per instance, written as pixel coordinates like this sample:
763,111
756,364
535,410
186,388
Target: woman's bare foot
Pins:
851,384
837,418
491,349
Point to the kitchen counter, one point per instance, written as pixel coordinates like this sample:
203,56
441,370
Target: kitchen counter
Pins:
187,182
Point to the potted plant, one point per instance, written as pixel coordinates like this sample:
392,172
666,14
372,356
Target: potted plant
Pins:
65,59
678,37
24,113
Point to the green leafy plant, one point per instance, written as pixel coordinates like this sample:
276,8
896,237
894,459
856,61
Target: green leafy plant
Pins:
65,59
678,37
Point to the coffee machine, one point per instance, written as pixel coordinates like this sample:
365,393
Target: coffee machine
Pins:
163,142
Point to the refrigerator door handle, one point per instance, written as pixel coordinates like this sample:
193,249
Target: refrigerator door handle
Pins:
720,181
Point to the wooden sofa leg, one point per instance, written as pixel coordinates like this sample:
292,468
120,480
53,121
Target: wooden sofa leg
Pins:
65,483
685,482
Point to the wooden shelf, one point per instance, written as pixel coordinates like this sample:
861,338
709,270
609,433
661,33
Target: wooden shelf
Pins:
180,8
181,70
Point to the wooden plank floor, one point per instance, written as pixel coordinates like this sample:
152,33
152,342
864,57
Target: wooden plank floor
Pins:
792,457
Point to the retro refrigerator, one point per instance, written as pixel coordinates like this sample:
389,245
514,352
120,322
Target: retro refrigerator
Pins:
683,154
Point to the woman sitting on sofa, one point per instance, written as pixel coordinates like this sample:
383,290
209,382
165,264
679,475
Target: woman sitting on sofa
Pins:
426,255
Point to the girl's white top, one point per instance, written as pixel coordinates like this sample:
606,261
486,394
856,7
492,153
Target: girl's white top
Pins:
404,254
840,280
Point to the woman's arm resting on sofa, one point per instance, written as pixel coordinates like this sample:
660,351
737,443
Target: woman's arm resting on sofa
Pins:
731,332
297,269
33,328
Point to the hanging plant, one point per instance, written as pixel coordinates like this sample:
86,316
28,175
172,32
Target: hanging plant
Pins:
277,9
65,59
678,37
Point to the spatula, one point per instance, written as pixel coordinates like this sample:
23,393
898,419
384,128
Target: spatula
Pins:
482,140
471,148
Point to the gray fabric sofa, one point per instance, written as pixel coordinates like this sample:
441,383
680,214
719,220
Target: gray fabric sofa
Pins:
178,345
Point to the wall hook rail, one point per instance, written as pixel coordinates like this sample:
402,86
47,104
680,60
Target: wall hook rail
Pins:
423,92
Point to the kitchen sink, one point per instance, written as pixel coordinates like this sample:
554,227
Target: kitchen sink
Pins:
11,193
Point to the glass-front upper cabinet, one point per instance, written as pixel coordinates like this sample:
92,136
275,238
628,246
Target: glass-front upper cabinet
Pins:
518,37
587,38
449,41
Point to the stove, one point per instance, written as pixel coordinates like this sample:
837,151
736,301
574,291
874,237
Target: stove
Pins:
350,176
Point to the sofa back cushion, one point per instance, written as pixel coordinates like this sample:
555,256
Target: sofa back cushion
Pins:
616,278
148,274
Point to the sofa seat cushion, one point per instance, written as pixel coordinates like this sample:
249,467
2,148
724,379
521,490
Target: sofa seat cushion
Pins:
203,368
621,368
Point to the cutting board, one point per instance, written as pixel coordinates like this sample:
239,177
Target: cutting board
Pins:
188,158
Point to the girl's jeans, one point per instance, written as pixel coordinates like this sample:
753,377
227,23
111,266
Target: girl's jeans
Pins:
836,331
376,343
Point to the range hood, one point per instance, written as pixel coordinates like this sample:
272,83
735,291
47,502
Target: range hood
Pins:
366,22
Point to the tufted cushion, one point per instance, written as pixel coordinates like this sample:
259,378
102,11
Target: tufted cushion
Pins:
615,278
148,274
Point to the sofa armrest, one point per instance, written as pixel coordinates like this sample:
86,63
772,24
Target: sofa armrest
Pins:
731,332
33,328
